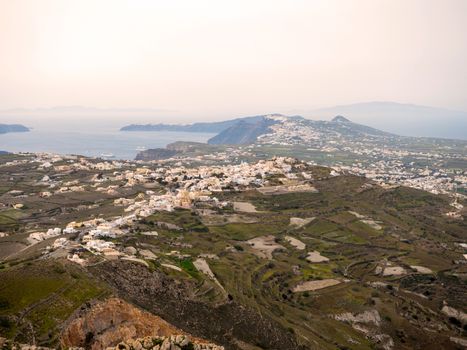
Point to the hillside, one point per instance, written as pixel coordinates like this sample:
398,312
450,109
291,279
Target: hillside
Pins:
243,132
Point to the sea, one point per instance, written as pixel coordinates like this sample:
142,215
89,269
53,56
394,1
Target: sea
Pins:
109,143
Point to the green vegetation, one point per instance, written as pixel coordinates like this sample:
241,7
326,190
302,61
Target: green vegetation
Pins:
187,266
290,201
8,221
243,232
43,294
185,219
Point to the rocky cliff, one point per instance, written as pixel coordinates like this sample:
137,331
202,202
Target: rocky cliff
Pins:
107,323
227,324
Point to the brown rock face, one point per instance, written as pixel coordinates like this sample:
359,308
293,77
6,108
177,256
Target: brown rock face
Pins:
228,324
109,322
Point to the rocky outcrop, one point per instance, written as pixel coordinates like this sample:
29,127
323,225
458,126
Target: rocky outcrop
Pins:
369,323
8,344
226,324
174,342
106,323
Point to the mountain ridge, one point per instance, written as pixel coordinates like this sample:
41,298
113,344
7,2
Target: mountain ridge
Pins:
216,126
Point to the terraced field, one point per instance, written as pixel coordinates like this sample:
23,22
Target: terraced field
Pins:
355,250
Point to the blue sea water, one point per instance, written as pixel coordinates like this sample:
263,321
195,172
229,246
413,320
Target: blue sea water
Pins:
95,142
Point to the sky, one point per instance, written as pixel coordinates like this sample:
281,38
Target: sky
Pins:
215,59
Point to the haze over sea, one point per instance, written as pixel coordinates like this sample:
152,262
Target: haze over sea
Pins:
93,141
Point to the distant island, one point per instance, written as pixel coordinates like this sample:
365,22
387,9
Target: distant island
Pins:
213,127
7,128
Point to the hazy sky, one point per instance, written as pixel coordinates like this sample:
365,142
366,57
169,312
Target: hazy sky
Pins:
226,58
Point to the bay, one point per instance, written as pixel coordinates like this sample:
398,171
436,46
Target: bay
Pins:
99,142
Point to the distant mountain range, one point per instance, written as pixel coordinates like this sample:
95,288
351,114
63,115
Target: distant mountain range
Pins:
6,128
